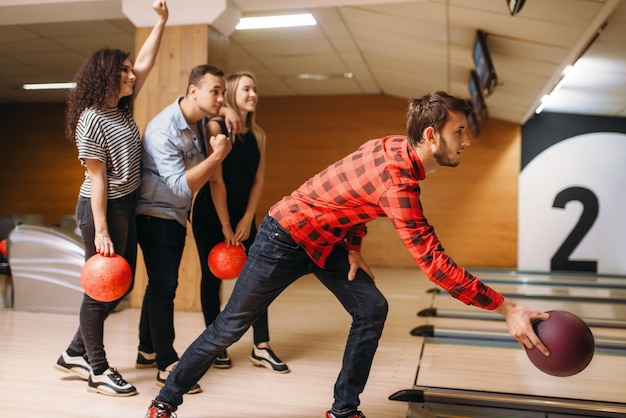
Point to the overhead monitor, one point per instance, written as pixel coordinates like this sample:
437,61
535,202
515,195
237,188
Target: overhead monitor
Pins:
515,6
472,124
483,63
476,97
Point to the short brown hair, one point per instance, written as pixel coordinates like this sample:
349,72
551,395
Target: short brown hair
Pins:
200,71
432,110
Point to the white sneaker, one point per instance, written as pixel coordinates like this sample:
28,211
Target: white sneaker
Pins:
265,357
163,374
76,365
110,383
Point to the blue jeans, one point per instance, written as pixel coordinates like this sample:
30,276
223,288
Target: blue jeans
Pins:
121,222
162,242
274,262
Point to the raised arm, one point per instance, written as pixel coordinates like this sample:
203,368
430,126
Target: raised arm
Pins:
148,52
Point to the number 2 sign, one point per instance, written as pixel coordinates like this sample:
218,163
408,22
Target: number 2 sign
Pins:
572,206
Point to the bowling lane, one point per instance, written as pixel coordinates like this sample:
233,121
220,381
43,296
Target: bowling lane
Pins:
484,367
614,296
488,368
613,315
495,277
496,323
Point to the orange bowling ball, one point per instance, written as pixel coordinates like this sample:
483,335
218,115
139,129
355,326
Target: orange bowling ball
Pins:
106,279
226,262
3,248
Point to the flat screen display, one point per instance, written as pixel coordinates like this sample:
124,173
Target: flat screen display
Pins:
476,96
472,124
483,64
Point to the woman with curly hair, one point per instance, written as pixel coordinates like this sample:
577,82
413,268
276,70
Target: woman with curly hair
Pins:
100,122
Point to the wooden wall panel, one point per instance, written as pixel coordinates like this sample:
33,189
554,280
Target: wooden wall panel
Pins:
473,207
182,48
39,169
306,134
218,49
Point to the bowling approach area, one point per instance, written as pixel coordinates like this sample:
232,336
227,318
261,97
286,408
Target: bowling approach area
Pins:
437,357
470,367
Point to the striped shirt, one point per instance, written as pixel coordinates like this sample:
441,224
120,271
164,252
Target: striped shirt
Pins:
110,136
380,179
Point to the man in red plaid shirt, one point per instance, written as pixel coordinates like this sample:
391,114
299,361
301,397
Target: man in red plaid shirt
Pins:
318,229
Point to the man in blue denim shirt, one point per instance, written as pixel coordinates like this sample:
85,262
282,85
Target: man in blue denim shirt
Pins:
175,165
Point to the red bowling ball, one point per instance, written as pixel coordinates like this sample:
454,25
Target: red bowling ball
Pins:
226,262
3,248
106,279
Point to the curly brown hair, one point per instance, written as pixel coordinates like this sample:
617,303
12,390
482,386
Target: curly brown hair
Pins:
97,84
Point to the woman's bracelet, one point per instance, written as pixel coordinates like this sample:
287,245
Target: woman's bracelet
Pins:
103,236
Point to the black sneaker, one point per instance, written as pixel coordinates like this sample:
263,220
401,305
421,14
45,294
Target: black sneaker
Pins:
160,409
76,365
145,360
223,361
265,357
110,383
163,374
352,414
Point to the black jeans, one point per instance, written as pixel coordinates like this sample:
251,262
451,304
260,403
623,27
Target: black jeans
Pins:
162,242
89,338
274,262
207,231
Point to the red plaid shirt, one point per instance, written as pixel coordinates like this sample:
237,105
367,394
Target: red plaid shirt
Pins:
380,179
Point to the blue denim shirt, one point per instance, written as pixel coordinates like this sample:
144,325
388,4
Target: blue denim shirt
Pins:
169,148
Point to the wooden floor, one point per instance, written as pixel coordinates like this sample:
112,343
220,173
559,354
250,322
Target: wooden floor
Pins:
308,330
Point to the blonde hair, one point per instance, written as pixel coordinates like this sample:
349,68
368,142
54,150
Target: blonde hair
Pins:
232,83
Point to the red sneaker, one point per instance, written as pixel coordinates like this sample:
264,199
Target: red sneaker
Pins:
353,414
160,409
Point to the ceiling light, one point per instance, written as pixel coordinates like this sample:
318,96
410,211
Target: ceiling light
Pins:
568,71
308,76
542,103
284,21
49,86
322,77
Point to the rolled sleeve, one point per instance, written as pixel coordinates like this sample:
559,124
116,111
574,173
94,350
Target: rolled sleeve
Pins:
354,238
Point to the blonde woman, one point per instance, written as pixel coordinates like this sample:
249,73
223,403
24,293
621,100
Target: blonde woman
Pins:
225,207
